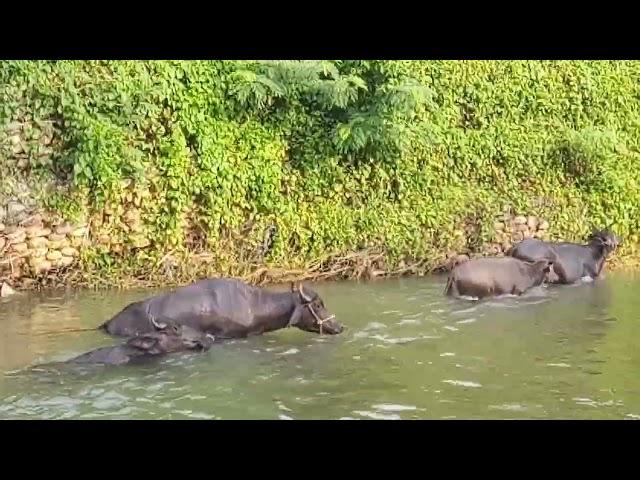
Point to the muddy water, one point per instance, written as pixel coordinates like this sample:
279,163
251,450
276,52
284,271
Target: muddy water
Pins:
407,353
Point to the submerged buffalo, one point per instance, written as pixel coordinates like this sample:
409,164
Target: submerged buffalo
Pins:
168,338
484,277
571,261
227,308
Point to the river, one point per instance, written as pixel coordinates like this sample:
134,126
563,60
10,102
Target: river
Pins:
407,352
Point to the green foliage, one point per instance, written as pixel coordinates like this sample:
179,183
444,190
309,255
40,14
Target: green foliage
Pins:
336,155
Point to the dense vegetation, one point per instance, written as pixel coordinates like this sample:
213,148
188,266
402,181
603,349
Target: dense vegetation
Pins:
283,163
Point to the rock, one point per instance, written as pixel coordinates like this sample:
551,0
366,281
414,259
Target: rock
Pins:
131,217
6,290
16,212
63,229
544,225
37,231
20,247
58,244
136,227
520,220
14,208
41,266
53,255
140,242
66,261
56,237
527,234
77,242
3,242
79,232
104,239
38,252
33,221
11,229
498,226
17,148
69,252
1,227
16,272
27,282
506,246
13,127
45,152
532,222
18,236
522,227
37,242
517,237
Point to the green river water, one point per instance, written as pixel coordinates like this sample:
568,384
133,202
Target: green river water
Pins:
407,352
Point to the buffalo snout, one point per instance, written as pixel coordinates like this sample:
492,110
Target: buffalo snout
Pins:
324,321
332,327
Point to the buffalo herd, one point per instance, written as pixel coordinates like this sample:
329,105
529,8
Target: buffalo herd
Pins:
194,317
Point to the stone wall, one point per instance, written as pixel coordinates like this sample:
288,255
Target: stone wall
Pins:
509,229
36,247
32,244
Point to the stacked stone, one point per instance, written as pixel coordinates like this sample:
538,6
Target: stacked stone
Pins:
36,249
119,231
512,229
30,143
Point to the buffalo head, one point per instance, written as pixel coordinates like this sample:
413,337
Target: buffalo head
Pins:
310,313
607,239
541,271
171,337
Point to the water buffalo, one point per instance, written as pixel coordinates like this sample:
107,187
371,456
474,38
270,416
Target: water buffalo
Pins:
228,308
485,277
168,338
571,261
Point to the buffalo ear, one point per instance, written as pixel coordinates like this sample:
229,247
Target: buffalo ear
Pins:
295,316
543,265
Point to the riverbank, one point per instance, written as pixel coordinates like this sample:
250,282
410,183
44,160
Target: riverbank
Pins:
118,173
54,255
